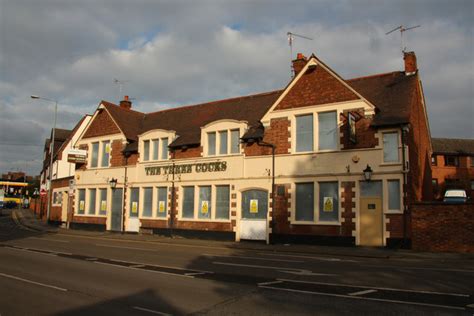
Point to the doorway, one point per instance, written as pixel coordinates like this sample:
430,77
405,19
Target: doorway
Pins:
253,223
117,208
371,231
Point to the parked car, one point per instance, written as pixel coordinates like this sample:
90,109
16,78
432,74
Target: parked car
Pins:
455,196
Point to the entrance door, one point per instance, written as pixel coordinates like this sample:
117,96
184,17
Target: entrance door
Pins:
253,224
117,209
371,222
371,215
64,206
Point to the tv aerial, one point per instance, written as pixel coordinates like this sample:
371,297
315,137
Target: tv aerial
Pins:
402,30
120,84
291,38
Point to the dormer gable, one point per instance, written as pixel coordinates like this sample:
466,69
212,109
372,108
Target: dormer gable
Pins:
101,124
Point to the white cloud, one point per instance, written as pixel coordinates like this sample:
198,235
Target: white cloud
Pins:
180,53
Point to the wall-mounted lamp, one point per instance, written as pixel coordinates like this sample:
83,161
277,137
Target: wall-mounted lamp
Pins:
113,183
368,173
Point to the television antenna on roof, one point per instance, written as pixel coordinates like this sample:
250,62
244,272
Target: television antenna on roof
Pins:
402,29
291,38
120,83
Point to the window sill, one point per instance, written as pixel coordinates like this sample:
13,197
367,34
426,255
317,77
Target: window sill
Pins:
89,215
202,220
315,223
222,155
388,164
391,212
154,218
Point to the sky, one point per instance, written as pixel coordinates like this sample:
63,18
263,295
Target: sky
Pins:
174,53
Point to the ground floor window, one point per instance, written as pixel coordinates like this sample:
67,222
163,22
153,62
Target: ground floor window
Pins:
212,202
102,201
394,195
147,202
92,199
317,201
162,202
134,202
82,201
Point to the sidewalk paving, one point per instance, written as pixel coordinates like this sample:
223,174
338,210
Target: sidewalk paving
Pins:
29,220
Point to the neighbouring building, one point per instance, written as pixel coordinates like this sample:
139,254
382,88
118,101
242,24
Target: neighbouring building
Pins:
324,160
62,171
452,165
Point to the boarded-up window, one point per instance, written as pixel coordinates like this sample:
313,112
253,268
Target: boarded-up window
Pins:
164,148
223,143
92,199
393,195
327,127
222,201
105,154
211,144
82,201
304,202
134,202
328,202
304,133
205,202
162,202
188,202
155,147
102,201
147,202
95,155
234,141
390,147
146,150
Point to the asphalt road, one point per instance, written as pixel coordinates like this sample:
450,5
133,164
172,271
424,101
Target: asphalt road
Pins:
61,274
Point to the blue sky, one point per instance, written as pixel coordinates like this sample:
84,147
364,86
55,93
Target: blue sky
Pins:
173,53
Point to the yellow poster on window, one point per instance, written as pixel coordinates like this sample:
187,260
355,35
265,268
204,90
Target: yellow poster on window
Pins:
161,206
81,205
134,207
107,148
253,206
103,205
328,204
204,207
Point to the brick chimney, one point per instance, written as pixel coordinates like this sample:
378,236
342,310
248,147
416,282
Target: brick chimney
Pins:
126,103
299,63
410,63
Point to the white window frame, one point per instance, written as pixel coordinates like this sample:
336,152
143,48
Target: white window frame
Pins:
385,196
100,154
218,127
152,136
87,200
399,147
315,114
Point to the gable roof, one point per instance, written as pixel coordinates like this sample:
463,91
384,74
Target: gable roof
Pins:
453,146
391,93
187,121
129,121
71,135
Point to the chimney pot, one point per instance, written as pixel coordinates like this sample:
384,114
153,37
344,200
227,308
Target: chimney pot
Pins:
410,63
299,63
126,103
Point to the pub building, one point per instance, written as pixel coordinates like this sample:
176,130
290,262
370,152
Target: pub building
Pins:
325,160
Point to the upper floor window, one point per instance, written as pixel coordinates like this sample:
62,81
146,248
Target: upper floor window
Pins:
155,149
211,144
451,161
434,161
327,131
100,152
390,147
105,154
223,142
304,133
95,155
146,150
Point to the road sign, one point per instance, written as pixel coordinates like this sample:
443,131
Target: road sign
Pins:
43,192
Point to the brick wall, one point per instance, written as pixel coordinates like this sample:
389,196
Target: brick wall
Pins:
315,87
419,142
101,125
89,220
395,226
192,152
365,135
443,227
277,134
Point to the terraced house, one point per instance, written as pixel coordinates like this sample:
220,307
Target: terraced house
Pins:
325,159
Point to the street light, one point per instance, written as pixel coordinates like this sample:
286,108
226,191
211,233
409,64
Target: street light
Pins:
51,151
367,173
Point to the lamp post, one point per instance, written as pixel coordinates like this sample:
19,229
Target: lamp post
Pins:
51,151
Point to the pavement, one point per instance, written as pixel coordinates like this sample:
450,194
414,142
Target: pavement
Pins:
28,220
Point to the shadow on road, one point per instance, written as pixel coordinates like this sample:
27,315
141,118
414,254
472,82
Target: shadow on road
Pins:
140,303
11,230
